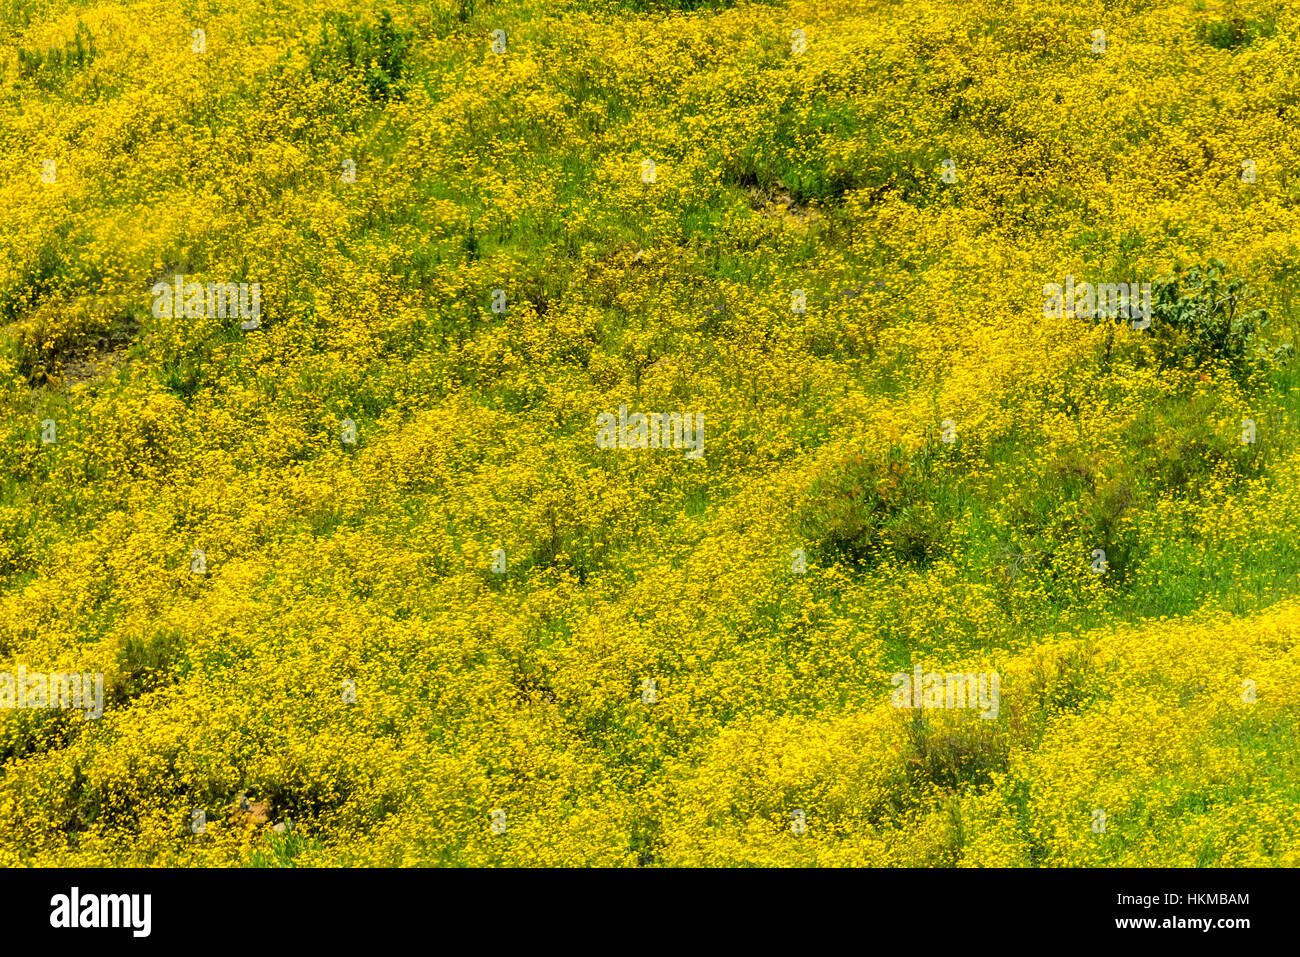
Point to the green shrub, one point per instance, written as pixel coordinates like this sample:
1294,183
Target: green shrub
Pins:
1199,317
47,69
872,505
968,753
1066,682
146,664
376,54
1230,34
1181,443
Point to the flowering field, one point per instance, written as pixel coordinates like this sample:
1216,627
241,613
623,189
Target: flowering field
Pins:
604,433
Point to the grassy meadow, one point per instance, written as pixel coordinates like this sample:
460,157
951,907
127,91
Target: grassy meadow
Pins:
366,590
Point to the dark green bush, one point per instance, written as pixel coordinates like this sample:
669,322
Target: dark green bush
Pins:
1199,317
869,506
374,53
1230,34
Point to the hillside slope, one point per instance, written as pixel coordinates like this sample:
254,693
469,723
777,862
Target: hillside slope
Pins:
358,555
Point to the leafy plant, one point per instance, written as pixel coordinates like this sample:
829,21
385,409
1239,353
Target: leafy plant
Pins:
967,753
376,53
149,663
876,504
48,68
1199,316
1230,34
